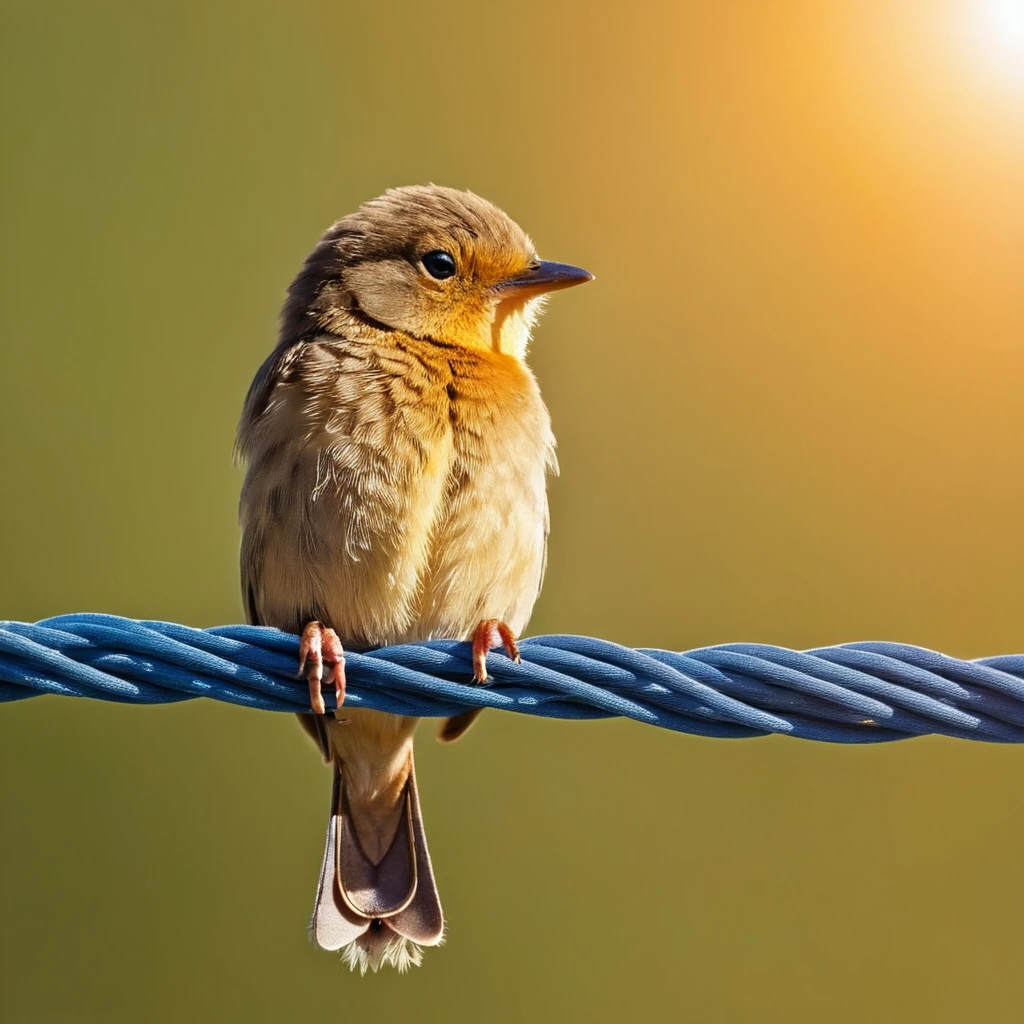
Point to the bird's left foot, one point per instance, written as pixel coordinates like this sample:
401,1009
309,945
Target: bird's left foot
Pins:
319,644
488,634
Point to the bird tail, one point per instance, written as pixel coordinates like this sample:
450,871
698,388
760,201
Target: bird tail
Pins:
378,908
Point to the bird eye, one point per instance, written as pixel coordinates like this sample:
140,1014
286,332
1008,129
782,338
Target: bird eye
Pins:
439,264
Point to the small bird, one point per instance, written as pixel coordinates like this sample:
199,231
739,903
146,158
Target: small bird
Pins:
396,449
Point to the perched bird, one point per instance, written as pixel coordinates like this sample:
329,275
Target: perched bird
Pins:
396,449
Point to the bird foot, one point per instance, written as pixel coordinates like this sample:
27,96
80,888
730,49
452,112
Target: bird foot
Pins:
488,634
320,644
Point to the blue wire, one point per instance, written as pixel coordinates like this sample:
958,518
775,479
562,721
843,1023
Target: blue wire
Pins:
850,693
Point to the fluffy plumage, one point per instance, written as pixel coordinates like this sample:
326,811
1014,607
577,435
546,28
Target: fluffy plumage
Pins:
396,447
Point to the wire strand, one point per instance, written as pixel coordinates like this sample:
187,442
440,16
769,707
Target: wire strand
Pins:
851,693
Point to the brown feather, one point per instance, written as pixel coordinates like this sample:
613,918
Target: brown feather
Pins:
396,449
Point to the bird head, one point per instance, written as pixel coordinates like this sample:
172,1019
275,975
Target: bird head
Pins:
432,263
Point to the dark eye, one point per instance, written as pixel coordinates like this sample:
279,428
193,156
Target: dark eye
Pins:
439,264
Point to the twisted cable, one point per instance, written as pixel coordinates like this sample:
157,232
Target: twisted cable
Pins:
850,693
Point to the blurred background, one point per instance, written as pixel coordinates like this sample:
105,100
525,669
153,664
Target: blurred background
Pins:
789,410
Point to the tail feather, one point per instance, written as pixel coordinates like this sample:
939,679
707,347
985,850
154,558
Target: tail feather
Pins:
387,887
334,924
377,913
422,920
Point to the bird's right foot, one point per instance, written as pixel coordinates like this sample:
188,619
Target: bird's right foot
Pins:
491,633
320,644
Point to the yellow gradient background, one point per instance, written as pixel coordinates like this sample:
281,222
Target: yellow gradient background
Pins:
790,409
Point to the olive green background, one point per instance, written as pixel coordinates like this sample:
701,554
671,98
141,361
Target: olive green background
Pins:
789,410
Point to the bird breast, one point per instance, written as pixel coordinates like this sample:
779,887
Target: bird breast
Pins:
396,490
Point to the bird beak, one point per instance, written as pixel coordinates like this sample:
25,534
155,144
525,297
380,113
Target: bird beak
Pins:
544,277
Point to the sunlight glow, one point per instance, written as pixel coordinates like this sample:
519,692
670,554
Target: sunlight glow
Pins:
998,31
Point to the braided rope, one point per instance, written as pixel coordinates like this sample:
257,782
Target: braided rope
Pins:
851,693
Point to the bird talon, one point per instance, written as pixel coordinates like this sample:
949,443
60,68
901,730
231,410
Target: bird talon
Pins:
317,645
490,633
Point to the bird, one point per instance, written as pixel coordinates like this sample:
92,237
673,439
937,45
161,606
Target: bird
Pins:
396,451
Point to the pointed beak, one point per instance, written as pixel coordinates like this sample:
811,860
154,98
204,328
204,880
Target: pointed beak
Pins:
544,277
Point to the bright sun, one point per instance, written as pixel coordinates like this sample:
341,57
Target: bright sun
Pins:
997,27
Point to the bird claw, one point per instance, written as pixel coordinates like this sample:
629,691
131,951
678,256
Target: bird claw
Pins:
317,645
490,633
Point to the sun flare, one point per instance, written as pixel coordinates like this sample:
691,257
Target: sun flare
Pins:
997,29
